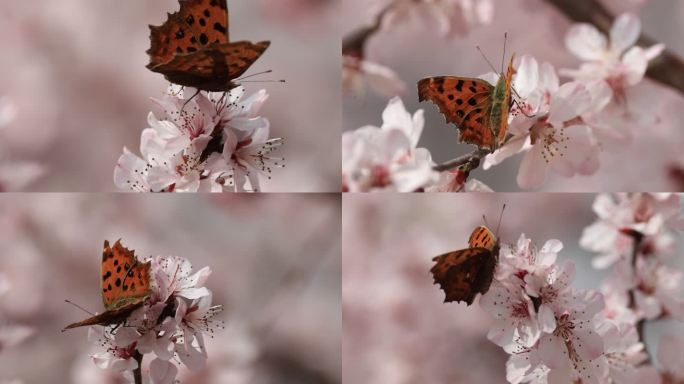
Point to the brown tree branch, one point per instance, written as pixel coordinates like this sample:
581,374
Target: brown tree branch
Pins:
355,42
637,238
137,373
667,69
471,159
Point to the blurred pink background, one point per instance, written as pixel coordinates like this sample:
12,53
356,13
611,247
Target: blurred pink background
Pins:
396,328
75,70
534,27
280,287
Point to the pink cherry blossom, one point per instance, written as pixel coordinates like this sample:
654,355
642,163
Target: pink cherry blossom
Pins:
574,349
657,289
524,258
647,214
452,17
514,313
548,127
623,351
359,74
386,158
616,61
209,143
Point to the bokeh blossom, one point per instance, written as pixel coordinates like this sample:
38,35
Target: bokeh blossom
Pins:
653,216
14,174
451,17
213,142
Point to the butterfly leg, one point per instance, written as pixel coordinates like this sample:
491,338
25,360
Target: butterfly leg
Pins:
190,99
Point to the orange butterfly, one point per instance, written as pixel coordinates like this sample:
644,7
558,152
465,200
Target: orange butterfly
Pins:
125,286
465,273
192,47
478,109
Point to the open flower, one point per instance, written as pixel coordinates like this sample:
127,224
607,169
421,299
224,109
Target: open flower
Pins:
210,143
548,127
616,61
516,321
623,351
386,158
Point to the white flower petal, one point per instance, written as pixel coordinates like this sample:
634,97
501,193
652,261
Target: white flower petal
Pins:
625,32
586,42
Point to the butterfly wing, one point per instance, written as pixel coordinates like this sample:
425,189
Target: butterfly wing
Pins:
125,286
207,19
458,273
465,102
198,23
482,237
214,67
125,280
114,316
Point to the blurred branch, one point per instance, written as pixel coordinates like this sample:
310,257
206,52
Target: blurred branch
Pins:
667,69
637,238
355,42
471,159
137,373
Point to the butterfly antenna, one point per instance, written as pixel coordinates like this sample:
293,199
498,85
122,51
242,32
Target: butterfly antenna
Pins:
500,216
485,221
254,74
503,58
263,81
486,59
79,307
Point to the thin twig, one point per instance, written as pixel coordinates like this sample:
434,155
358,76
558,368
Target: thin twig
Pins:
137,373
667,69
471,159
637,238
355,42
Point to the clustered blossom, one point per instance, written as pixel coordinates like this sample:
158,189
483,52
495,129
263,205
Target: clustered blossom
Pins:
212,142
563,128
549,328
555,333
386,158
170,327
634,235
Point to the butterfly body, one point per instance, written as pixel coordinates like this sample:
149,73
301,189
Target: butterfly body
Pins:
478,109
192,48
464,273
125,284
